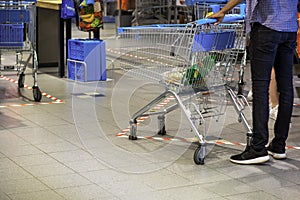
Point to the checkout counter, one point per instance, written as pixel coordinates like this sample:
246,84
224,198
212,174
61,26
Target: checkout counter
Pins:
52,35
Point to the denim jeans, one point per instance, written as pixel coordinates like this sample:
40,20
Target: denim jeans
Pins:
270,48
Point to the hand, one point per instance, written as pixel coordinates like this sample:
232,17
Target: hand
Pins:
219,16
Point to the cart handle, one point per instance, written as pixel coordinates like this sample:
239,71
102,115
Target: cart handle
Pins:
227,18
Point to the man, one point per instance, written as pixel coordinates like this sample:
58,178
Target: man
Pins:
273,29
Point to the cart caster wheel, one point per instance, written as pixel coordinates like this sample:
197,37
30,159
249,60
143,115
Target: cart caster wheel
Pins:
131,137
240,90
37,95
21,80
199,156
162,131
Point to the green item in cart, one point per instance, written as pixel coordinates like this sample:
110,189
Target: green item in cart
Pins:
196,73
191,75
207,64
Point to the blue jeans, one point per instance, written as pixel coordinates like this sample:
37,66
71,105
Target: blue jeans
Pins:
270,48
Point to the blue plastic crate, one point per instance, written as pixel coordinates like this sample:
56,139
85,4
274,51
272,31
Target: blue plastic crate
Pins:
103,61
79,49
91,72
213,41
94,59
71,70
76,71
14,16
11,35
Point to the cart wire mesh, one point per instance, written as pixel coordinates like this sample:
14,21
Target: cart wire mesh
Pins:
18,36
181,57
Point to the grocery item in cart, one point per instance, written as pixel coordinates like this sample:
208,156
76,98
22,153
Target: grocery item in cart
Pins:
197,72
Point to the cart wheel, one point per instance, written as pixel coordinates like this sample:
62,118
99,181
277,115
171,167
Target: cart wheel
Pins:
21,80
240,89
199,155
37,95
131,137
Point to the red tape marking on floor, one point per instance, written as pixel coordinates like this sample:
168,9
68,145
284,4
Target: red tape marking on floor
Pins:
191,140
124,133
54,99
296,104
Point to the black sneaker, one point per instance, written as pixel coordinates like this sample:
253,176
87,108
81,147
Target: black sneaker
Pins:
276,154
251,156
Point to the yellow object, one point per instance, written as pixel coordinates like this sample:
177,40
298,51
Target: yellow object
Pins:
90,19
209,14
86,16
83,3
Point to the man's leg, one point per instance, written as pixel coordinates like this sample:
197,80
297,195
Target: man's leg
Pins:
263,46
284,76
263,49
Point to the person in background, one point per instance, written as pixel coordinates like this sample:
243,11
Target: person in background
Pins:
274,96
273,29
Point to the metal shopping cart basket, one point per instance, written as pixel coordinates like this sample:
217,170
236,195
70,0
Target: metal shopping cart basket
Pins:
194,62
18,38
202,8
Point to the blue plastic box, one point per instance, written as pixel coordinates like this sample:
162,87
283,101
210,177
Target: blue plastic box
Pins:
14,16
11,35
79,49
91,55
213,41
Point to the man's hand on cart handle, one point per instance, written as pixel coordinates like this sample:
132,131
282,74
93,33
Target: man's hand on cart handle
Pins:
221,14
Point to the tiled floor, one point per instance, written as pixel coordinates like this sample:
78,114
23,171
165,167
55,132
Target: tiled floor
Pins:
70,149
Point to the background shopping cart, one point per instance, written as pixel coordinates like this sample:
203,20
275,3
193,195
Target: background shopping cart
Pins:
18,38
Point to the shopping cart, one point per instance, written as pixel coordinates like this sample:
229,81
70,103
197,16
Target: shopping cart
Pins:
195,62
18,38
152,12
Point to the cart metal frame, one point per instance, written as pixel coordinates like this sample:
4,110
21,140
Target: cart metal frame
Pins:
18,36
168,54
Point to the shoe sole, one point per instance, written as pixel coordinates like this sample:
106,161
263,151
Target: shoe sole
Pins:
258,160
277,156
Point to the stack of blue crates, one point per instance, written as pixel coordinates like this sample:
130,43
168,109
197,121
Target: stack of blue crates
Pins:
87,60
11,35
